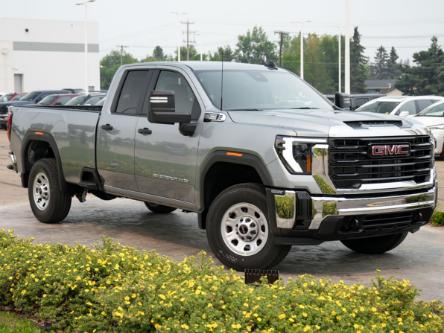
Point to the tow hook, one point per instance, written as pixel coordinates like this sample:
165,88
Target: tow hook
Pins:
81,196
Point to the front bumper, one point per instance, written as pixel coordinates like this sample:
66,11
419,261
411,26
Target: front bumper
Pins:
300,215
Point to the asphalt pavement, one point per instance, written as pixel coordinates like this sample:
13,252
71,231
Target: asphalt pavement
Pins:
420,258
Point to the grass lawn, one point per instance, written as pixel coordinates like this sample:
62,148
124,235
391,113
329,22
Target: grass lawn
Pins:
11,323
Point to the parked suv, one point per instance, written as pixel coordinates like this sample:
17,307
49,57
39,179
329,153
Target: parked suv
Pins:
402,106
264,160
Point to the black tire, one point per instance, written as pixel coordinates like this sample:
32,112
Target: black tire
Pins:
375,245
269,255
58,203
159,209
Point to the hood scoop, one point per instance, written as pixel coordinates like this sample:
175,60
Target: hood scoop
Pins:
366,124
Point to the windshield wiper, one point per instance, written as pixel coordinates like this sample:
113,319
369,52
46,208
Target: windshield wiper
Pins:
245,109
304,108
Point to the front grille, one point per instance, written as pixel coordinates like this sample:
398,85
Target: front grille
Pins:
350,163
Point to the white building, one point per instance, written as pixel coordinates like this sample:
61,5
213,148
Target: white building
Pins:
47,54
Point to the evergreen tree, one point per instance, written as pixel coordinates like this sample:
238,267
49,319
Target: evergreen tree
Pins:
381,63
394,69
358,64
427,77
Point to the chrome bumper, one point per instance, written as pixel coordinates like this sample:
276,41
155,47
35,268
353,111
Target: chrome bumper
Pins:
325,206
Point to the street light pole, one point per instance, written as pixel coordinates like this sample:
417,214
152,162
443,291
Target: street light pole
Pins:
347,48
301,71
85,41
339,61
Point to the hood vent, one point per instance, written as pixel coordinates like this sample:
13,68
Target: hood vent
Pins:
373,123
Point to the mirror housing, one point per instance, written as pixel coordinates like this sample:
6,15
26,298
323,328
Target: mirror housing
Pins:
163,109
342,101
404,114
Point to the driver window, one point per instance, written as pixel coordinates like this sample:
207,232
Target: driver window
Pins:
408,106
183,95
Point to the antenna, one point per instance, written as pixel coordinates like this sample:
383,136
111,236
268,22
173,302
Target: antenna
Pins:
222,83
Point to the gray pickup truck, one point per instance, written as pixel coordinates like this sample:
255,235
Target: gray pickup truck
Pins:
264,160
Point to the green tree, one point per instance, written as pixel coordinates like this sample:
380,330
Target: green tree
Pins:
158,53
254,46
380,67
393,68
111,63
225,53
427,77
315,65
358,63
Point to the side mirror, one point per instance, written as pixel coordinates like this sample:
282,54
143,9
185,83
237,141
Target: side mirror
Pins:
342,101
163,109
404,114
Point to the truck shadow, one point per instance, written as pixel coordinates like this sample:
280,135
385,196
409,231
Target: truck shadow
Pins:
177,235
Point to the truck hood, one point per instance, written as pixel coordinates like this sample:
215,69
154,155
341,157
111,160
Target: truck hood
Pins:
324,122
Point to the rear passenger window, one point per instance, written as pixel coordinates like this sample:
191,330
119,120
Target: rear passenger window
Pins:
132,93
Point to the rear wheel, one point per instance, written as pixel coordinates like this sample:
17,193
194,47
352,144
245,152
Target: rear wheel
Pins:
375,245
238,229
48,203
159,209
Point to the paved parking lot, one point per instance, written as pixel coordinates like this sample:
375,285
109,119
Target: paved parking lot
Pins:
420,258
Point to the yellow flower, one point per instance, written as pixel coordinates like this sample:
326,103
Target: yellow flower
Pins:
185,326
282,316
236,326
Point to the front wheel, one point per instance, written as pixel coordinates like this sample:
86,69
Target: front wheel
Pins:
375,245
238,229
48,203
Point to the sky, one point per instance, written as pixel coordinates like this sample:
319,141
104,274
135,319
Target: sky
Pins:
407,25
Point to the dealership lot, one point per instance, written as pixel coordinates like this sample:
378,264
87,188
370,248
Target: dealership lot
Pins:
420,258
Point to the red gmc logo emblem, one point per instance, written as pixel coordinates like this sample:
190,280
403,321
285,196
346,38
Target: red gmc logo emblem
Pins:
390,150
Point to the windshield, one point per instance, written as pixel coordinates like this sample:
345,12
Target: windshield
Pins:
385,107
79,100
260,90
47,100
93,100
433,111
30,96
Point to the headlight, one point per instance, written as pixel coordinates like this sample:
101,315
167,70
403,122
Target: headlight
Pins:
432,127
296,153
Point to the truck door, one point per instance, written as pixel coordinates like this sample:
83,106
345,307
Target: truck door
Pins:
165,159
116,130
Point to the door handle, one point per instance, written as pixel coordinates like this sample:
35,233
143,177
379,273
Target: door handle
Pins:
107,127
144,131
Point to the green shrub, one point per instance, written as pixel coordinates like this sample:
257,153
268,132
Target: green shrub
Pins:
11,323
438,218
113,288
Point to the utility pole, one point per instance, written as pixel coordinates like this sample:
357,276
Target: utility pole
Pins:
347,47
188,32
122,49
282,35
179,39
85,41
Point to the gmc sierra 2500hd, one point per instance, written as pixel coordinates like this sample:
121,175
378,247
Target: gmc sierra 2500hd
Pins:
263,158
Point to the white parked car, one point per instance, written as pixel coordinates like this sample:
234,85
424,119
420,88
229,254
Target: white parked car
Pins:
402,106
433,118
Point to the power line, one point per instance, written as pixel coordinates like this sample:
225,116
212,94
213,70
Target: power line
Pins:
122,49
188,32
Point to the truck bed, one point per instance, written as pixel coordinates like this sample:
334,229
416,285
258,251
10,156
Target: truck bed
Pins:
72,128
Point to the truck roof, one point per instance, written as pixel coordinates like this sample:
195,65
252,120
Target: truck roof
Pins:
200,65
